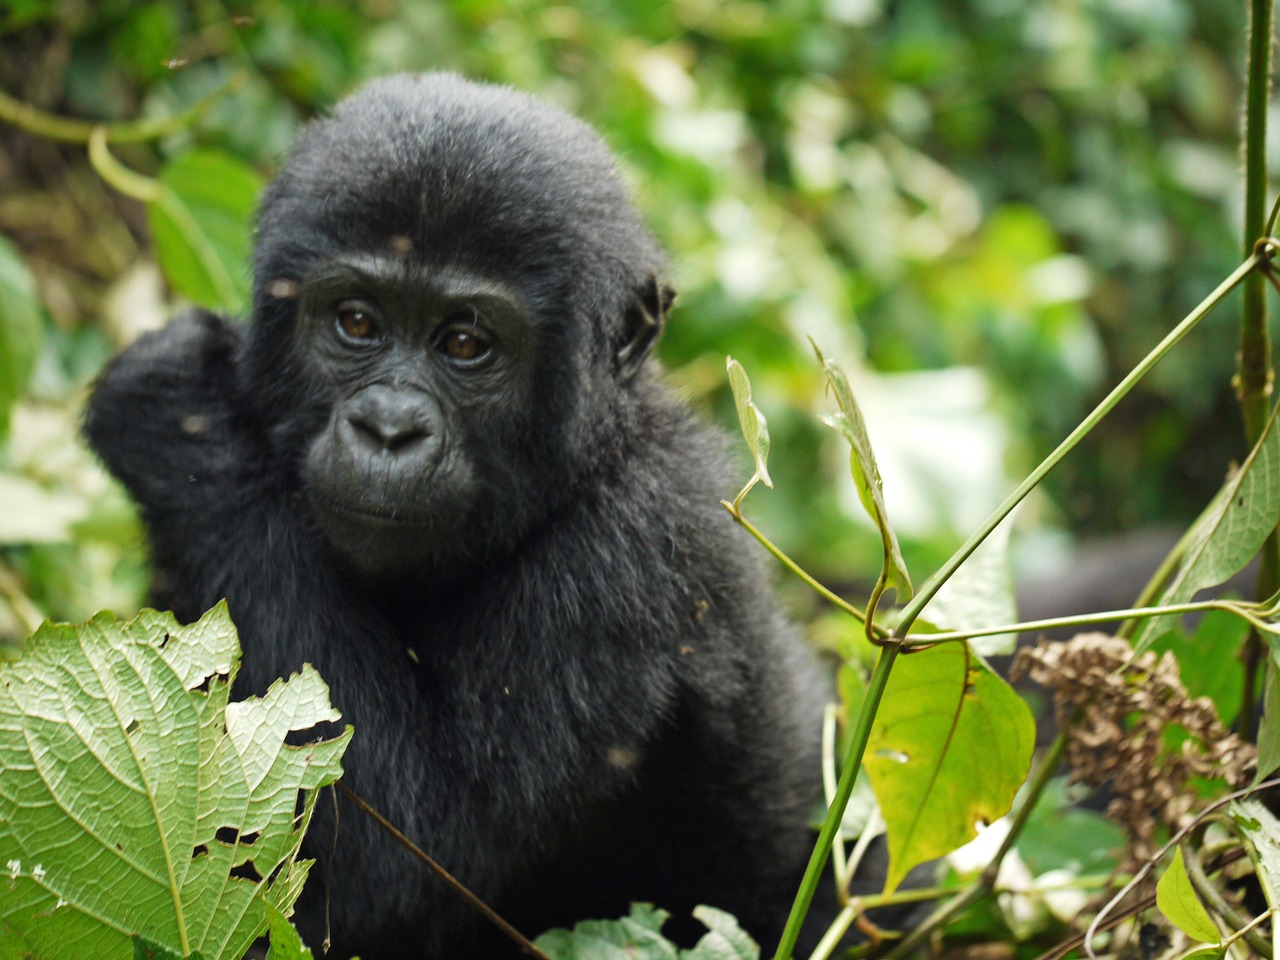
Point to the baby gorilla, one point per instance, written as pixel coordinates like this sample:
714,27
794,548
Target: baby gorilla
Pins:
440,465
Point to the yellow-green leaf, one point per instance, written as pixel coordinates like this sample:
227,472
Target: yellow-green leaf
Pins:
1177,900
201,227
755,429
850,424
950,747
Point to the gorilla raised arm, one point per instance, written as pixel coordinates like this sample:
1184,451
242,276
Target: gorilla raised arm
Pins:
440,467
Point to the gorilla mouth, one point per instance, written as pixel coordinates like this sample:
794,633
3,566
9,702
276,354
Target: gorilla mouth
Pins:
371,516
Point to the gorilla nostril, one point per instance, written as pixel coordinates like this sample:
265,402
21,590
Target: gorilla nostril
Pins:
385,437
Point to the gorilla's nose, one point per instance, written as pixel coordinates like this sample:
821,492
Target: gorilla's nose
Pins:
389,420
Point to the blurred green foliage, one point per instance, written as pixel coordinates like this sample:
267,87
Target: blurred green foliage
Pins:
986,210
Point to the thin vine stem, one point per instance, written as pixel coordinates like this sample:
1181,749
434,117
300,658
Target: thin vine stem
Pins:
26,117
1243,609
822,591
927,592
844,789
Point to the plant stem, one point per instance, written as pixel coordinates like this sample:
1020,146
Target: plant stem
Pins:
844,789
1255,377
67,130
1242,609
794,567
1254,380
23,608
926,593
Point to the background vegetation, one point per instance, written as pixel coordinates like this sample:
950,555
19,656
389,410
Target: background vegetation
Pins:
987,211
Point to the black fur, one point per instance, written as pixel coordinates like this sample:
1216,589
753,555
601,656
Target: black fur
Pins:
576,691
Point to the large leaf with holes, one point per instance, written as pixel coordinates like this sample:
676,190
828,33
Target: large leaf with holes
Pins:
136,800
950,747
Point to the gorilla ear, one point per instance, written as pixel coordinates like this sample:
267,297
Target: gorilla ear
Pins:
642,325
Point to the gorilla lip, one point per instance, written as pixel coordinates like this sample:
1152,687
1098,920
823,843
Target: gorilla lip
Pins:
367,515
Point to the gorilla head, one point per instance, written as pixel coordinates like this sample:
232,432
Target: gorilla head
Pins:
453,277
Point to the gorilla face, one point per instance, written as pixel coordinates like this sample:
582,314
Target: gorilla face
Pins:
426,377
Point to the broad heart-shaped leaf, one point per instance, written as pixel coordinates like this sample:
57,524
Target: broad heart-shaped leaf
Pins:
135,800
949,748
755,429
850,424
201,227
1177,900
1229,533
19,328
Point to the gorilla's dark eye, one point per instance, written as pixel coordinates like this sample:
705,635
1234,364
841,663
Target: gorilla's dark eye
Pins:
356,322
464,346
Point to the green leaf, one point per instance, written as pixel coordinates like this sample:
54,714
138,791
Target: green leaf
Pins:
136,799
1261,828
850,424
634,937
949,748
201,227
725,939
755,429
980,595
1269,727
1228,534
1060,835
20,329
144,949
639,937
285,942
1177,900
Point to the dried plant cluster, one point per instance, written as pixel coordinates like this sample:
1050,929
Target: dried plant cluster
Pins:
1116,710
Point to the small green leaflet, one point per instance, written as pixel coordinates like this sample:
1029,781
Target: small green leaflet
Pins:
755,430
850,424
1177,900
